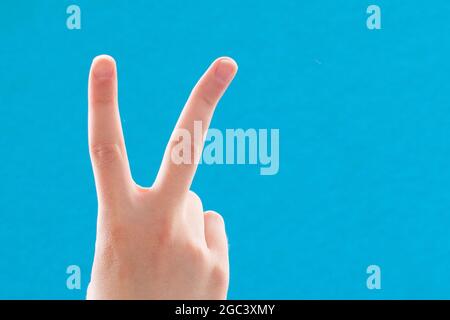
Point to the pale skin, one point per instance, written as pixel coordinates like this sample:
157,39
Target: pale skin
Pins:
156,242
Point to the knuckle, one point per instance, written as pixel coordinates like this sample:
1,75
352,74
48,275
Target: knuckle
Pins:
112,242
195,199
166,234
207,100
206,93
198,254
116,233
219,275
104,92
105,154
103,100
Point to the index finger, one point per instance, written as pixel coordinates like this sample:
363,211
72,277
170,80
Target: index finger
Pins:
184,148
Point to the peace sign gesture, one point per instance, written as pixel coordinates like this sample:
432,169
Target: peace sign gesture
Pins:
157,242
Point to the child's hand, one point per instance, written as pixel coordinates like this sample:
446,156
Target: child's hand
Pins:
154,243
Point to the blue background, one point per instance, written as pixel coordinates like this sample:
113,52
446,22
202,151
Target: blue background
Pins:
364,120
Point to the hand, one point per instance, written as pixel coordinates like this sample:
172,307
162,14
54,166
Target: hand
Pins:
154,243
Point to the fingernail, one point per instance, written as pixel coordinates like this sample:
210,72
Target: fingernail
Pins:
103,67
226,69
